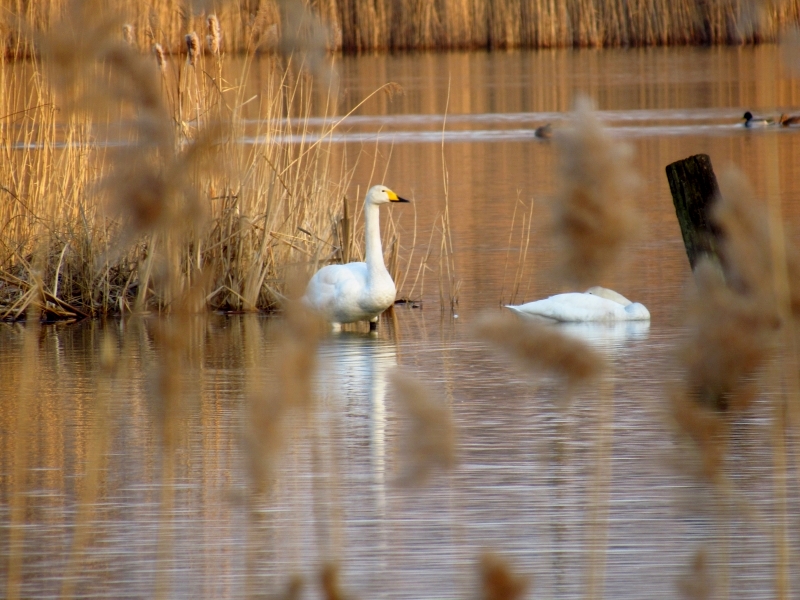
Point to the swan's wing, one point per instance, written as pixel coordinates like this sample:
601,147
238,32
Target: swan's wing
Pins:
334,291
608,295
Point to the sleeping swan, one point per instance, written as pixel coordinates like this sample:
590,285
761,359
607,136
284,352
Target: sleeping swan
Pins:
595,304
357,291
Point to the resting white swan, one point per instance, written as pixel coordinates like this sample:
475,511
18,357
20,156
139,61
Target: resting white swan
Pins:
357,291
595,304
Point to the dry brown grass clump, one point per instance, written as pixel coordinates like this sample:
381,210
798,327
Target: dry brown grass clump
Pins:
535,346
594,212
498,580
428,444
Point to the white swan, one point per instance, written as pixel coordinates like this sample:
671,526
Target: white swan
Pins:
357,291
595,304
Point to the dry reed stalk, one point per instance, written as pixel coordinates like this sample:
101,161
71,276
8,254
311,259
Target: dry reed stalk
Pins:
540,348
428,443
594,210
498,580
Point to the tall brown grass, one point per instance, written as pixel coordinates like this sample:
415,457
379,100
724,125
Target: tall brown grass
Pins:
124,170
369,25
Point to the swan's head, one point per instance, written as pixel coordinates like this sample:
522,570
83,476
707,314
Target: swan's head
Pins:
380,194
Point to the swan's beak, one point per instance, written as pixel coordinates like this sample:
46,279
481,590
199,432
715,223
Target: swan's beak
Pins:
394,197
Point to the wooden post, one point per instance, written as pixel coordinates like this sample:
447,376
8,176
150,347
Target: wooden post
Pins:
694,187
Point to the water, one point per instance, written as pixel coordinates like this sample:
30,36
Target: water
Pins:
528,473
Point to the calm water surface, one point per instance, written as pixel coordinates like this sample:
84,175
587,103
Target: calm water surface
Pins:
528,465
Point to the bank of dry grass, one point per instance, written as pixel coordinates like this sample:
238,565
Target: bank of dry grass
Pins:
125,186
368,25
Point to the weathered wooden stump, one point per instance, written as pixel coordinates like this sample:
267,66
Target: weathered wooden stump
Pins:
694,187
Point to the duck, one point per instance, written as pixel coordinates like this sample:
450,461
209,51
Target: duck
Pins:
356,291
544,132
789,120
751,121
595,304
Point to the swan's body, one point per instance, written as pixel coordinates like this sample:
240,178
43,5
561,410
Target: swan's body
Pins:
750,121
357,291
596,304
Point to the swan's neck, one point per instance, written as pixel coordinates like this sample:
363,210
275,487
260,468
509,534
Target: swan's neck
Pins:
372,232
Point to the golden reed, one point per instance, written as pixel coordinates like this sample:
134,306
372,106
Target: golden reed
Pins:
368,25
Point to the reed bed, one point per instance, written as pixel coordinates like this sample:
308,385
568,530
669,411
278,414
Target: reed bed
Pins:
126,188
380,25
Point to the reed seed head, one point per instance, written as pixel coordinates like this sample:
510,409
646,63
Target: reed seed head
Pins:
540,347
161,60
214,37
429,440
192,48
127,34
594,212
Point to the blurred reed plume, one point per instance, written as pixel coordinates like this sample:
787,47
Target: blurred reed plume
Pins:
733,317
329,581
193,48
282,402
538,347
498,580
697,584
363,26
594,210
428,443
214,36
734,320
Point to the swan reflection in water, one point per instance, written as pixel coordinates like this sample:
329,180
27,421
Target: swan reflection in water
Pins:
354,371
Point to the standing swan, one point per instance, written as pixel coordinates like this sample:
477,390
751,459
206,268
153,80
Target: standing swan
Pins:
357,291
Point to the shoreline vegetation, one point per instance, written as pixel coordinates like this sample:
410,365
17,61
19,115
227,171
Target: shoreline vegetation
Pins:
125,188
354,26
